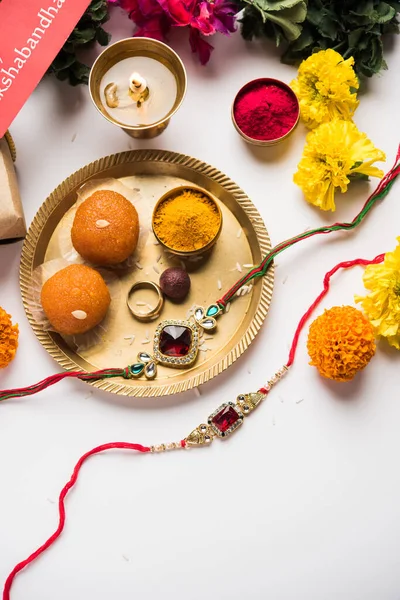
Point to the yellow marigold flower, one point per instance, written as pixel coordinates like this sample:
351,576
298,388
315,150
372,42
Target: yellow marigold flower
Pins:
382,304
8,339
326,87
333,153
341,343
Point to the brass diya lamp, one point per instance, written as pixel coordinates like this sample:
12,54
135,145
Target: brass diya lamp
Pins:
138,84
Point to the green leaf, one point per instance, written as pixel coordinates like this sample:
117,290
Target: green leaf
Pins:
303,41
289,21
69,46
290,58
101,14
62,75
83,36
95,5
80,73
280,25
251,24
279,38
268,6
102,36
360,176
287,18
368,55
87,31
352,27
384,12
259,5
328,28
62,61
368,12
363,8
354,37
357,164
377,53
316,16
392,27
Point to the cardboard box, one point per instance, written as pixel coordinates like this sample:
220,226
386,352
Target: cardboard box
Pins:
12,220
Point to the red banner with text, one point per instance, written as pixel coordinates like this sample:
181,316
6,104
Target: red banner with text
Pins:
32,32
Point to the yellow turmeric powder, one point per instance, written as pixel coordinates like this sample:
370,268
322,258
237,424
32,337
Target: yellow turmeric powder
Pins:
8,338
186,221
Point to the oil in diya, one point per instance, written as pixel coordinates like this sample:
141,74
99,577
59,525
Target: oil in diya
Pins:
265,111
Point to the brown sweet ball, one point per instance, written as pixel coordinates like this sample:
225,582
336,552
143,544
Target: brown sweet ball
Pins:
75,299
175,283
105,230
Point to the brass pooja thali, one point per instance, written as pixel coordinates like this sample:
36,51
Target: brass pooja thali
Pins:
242,243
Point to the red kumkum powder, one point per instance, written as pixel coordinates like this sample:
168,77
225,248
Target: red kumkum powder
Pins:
265,111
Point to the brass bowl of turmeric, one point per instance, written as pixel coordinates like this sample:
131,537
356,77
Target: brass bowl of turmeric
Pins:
187,221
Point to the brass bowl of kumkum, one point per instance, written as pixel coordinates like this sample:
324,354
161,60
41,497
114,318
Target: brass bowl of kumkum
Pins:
187,221
265,111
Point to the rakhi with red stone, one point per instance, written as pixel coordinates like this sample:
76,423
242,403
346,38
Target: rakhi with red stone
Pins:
226,419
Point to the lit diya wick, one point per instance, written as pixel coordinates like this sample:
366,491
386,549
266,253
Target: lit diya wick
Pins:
117,96
139,91
133,99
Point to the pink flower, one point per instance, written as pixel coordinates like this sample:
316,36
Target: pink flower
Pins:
142,8
211,17
207,17
199,46
156,28
149,17
154,18
180,11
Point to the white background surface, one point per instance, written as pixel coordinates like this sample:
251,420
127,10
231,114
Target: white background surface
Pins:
303,502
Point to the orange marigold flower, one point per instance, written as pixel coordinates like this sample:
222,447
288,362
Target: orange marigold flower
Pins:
8,338
340,343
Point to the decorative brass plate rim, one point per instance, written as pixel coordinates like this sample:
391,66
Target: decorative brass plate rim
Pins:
95,169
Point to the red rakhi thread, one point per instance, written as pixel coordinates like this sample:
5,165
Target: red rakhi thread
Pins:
52,379
139,448
61,507
343,265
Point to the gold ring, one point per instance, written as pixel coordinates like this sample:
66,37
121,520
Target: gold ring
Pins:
153,313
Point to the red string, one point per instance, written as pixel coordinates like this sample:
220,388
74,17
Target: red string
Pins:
327,278
44,383
52,379
61,508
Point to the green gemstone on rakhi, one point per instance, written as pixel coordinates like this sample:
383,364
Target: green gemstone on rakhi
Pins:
137,369
212,310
